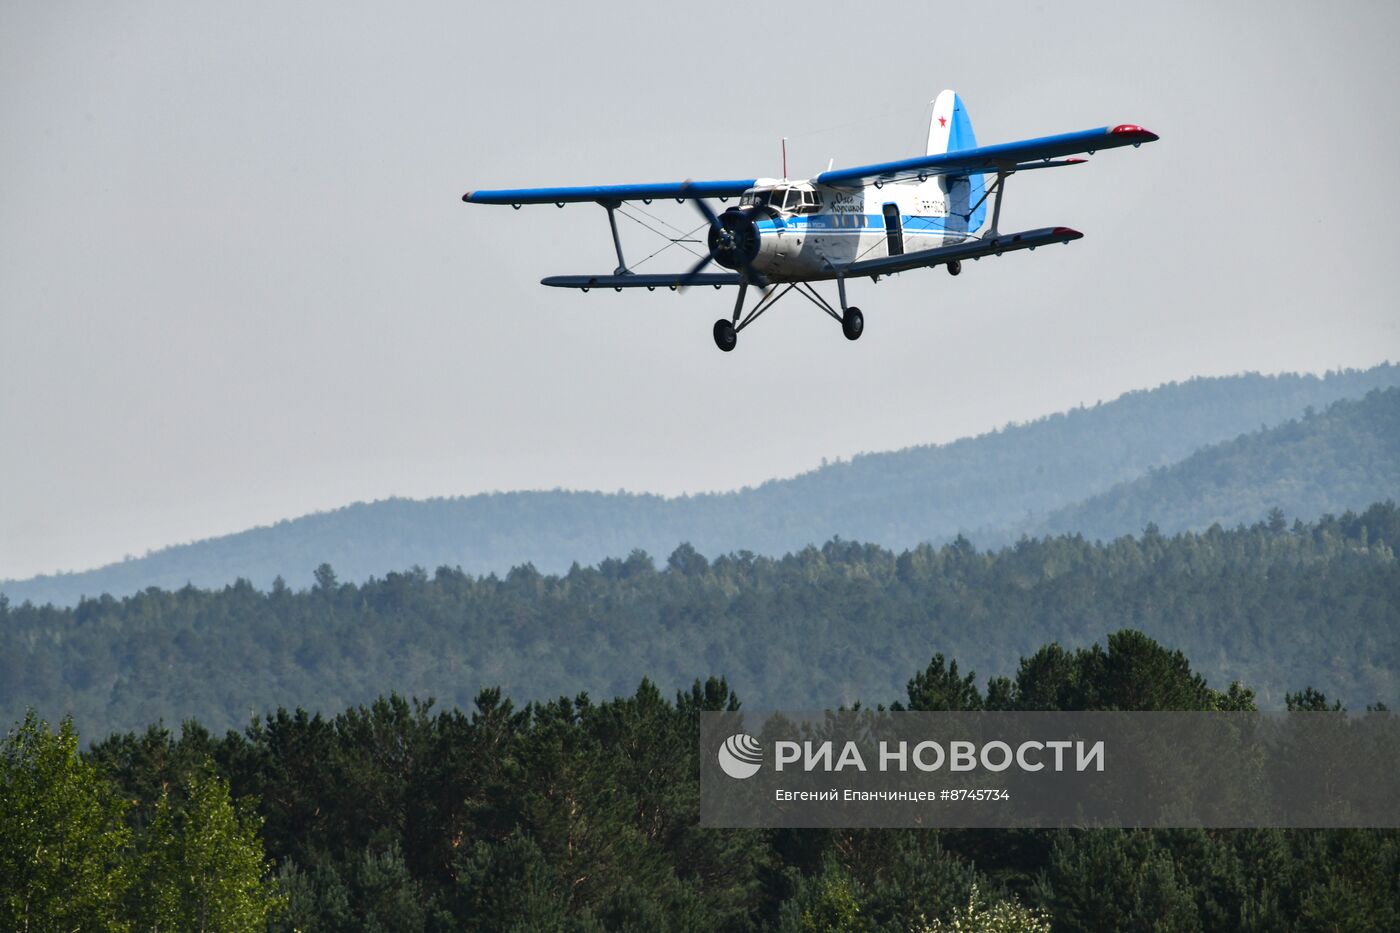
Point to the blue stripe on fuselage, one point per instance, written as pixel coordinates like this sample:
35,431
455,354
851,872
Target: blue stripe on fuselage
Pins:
825,223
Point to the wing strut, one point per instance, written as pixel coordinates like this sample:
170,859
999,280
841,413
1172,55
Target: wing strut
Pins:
994,192
612,206
993,233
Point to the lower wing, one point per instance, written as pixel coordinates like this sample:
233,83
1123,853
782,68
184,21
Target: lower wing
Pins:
924,258
619,282
972,249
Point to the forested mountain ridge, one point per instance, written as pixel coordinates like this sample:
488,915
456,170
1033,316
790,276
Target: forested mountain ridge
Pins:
1272,605
980,486
1329,461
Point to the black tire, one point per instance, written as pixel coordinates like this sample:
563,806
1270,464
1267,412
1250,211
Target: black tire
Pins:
954,266
725,335
853,323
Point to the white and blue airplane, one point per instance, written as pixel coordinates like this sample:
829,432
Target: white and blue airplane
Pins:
867,221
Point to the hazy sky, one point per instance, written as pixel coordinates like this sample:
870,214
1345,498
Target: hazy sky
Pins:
237,283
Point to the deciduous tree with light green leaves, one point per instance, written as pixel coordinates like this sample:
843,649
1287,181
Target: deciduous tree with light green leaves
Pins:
69,861
982,916
202,866
63,845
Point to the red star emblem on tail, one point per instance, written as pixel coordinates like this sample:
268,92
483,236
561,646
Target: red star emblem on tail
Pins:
942,121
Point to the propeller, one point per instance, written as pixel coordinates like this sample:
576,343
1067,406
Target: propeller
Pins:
722,239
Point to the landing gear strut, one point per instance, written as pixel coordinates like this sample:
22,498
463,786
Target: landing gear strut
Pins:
852,321
727,331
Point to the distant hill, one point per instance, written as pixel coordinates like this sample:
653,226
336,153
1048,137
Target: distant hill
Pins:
1342,458
1012,479
1278,608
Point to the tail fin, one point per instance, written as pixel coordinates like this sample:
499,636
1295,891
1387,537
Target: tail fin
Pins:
949,130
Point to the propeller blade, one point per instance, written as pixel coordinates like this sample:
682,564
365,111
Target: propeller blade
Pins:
689,278
745,269
753,277
705,210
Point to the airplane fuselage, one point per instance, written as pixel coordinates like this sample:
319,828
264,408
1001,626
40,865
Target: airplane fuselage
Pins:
837,226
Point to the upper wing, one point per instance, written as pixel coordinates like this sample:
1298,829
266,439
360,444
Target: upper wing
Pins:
1004,157
604,194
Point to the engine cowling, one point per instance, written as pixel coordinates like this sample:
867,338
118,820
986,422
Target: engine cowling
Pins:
734,239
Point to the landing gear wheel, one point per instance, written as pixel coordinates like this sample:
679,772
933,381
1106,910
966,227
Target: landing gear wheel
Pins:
852,323
725,335
954,266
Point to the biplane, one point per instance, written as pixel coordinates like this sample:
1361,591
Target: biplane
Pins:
783,235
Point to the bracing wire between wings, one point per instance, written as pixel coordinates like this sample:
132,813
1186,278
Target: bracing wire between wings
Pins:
658,219
682,241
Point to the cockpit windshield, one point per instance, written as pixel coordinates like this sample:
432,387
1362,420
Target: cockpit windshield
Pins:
790,199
